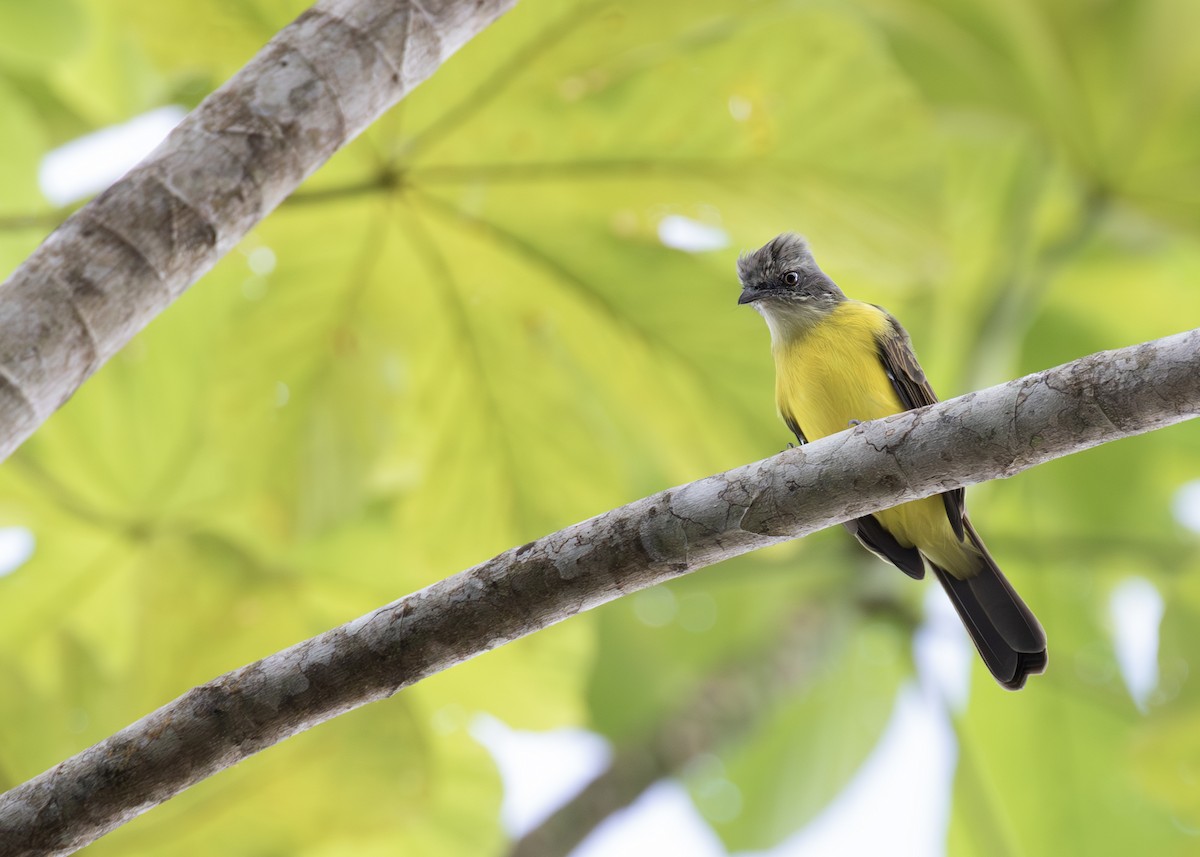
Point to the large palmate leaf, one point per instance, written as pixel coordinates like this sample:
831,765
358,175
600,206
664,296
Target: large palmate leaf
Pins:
467,331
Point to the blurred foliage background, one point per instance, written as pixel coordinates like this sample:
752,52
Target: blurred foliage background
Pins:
466,332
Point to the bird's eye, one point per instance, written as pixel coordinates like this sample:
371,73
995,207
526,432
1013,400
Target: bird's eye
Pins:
791,278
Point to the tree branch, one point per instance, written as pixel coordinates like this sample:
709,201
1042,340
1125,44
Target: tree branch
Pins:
986,435
722,709
125,256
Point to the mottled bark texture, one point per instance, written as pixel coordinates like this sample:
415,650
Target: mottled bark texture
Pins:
120,260
980,436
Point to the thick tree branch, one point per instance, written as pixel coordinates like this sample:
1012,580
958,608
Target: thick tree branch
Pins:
986,435
120,260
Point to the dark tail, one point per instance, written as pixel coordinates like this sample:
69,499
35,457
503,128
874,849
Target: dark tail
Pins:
1008,636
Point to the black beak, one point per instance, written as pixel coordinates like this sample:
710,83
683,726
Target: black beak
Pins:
749,295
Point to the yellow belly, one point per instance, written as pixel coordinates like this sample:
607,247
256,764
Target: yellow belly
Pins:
832,375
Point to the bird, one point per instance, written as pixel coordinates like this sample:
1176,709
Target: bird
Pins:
840,362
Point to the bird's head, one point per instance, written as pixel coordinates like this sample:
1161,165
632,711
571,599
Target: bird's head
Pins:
782,275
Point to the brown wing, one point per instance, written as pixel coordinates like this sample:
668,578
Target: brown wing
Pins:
795,427
911,385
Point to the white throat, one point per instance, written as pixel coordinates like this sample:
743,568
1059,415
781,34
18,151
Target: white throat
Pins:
792,320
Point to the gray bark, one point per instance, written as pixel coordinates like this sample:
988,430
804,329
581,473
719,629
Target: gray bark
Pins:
986,435
120,260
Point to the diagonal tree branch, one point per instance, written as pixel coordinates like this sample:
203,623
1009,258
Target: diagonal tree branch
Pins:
728,705
723,708
986,435
121,259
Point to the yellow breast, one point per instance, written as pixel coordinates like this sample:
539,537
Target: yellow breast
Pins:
832,374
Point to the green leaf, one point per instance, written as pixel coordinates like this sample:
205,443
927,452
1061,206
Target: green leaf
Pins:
465,332
19,193
1050,769
36,35
809,746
